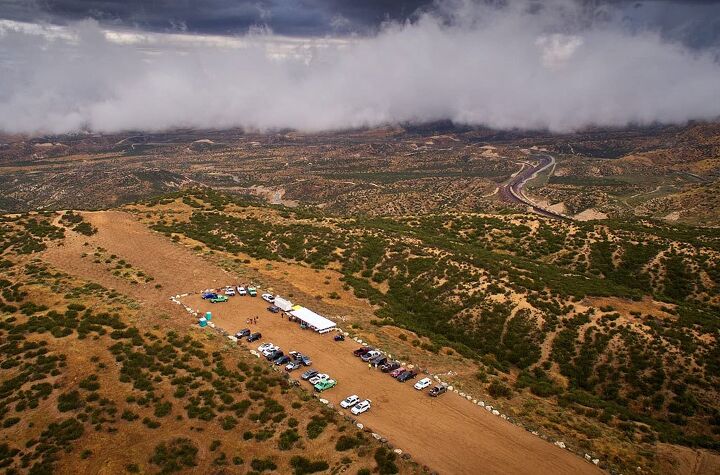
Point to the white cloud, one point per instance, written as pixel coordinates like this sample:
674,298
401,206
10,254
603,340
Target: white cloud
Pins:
558,49
504,68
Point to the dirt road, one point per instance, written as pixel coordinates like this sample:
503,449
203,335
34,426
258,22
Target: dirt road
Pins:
170,264
449,434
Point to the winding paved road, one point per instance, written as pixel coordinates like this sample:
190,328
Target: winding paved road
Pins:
513,189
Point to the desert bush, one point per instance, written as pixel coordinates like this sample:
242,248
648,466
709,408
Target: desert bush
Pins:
69,401
262,465
346,442
175,455
385,460
499,389
288,439
316,426
303,466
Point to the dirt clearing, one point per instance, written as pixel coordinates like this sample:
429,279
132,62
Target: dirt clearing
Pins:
449,434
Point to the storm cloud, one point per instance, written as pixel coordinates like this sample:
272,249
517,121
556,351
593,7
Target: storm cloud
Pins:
561,66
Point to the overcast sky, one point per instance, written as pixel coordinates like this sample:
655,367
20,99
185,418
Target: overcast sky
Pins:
286,17
110,65
694,21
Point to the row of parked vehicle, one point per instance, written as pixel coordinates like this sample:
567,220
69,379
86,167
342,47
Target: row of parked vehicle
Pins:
292,360
295,360
379,360
355,405
231,291
213,297
395,369
320,381
248,335
240,290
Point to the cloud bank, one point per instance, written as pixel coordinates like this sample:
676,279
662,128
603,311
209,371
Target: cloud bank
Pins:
519,65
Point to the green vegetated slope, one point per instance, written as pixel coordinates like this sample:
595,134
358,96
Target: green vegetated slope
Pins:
500,288
82,386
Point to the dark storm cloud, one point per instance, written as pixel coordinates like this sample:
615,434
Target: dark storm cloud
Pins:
694,22
298,17
561,66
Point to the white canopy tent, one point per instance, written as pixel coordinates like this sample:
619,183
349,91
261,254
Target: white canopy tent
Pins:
317,322
283,304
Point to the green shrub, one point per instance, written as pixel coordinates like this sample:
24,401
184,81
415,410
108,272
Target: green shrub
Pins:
287,439
499,389
162,409
228,422
346,443
175,455
128,415
316,427
69,401
90,383
261,465
303,466
150,423
385,460
10,421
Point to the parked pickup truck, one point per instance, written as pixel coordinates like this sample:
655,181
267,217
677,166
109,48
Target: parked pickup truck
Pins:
325,385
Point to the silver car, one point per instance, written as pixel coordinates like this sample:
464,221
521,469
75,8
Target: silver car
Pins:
292,366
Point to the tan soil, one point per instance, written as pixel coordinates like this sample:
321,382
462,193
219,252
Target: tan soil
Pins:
558,208
448,434
171,265
590,214
646,306
674,216
676,460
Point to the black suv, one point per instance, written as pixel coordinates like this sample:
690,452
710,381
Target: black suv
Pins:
388,367
281,360
254,337
378,361
406,375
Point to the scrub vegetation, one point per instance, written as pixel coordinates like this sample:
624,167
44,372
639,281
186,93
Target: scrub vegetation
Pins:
79,380
498,289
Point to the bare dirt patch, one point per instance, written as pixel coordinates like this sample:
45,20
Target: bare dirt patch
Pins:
676,460
171,265
449,434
